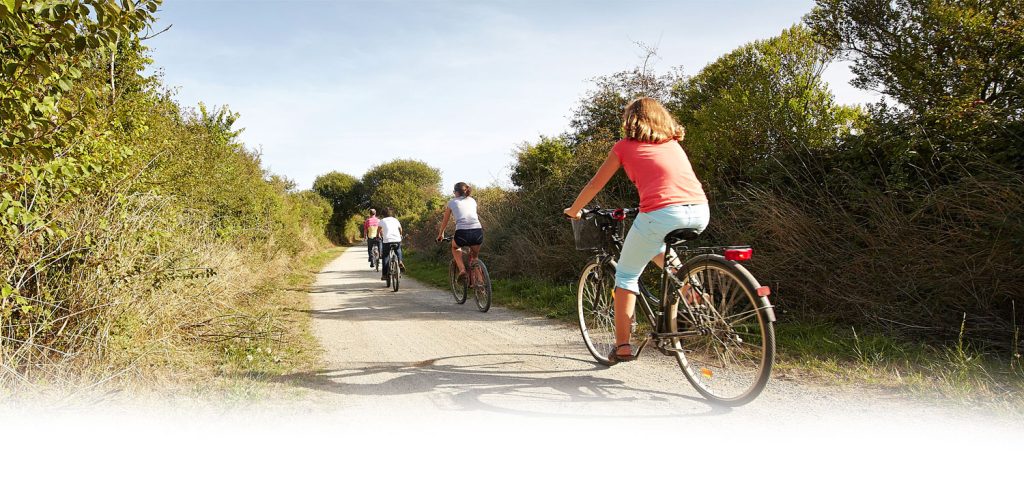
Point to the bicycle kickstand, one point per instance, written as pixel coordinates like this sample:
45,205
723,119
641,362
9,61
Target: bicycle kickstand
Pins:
642,345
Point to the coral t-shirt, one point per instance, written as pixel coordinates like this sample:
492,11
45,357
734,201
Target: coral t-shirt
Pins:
661,172
370,227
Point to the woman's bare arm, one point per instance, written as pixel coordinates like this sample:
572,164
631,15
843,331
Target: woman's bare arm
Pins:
603,175
444,222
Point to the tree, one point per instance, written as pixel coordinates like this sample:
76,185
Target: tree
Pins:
343,191
219,122
541,160
345,194
46,49
943,55
956,66
758,104
407,185
599,114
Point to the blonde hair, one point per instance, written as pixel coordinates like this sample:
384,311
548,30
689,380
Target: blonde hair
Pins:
645,120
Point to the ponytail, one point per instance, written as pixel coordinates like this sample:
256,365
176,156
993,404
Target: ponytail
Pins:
463,189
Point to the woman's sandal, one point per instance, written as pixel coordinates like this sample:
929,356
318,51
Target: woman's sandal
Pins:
614,357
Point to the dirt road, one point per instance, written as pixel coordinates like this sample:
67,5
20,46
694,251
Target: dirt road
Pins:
417,351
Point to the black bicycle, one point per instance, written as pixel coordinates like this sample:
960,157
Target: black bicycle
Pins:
476,277
710,312
394,270
375,256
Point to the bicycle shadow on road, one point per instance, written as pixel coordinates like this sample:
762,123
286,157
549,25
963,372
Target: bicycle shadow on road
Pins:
498,383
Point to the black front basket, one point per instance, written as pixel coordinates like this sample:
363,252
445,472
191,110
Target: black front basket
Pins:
595,232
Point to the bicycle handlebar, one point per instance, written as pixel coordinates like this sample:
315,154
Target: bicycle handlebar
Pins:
618,214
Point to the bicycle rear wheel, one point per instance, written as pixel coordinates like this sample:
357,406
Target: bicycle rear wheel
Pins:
730,361
394,271
481,286
459,291
595,307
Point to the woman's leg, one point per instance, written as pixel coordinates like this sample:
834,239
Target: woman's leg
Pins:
642,243
474,252
625,307
457,255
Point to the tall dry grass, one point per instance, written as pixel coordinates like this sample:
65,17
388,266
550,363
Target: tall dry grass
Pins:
138,292
921,264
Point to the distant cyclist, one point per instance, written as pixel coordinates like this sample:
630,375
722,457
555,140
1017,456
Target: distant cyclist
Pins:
391,234
371,230
468,231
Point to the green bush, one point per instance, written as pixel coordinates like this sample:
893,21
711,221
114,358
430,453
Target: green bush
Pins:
132,230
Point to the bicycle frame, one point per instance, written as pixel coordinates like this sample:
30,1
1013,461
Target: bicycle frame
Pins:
466,251
657,316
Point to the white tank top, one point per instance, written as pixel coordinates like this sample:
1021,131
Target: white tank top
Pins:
464,210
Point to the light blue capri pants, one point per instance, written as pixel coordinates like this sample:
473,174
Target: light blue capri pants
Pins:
646,239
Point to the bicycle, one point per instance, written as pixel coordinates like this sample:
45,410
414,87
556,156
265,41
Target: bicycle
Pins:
481,287
711,313
375,255
394,270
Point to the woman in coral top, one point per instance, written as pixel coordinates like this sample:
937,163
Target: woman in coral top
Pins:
671,198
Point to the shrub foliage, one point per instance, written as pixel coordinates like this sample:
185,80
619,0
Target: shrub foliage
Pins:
129,226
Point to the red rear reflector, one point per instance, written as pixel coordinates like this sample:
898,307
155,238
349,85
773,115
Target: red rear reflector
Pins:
764,291
739,254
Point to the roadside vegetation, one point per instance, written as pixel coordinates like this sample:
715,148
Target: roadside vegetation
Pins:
890,233
141,243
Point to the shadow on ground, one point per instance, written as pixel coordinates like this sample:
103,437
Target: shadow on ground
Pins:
499,383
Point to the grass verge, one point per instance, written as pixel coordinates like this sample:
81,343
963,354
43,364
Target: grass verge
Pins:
549,300
813,349
245,365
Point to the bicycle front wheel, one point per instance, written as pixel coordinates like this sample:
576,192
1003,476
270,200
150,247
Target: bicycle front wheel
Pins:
730,358
595,307
459,290
481,286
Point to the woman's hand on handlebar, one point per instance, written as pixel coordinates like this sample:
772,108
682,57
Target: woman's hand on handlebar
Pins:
574,215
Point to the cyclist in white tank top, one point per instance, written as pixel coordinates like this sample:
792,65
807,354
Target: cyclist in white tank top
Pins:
468,231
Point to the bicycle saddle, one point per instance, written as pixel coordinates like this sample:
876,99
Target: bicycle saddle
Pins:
681,235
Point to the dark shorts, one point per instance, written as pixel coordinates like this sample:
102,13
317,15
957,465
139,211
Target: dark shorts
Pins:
469,237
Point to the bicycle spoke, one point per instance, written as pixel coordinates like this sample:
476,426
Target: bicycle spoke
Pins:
750,314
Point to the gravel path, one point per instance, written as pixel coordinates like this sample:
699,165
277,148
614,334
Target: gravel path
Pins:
417,350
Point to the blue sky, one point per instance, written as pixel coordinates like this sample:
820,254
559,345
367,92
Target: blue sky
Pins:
344,85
